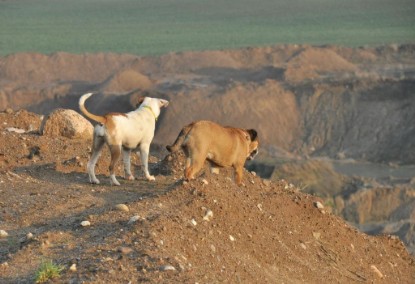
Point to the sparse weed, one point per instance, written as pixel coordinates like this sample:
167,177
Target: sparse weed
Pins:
47,270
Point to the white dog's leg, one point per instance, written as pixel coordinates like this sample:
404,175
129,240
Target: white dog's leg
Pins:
144,152
127,164
115,155
97,144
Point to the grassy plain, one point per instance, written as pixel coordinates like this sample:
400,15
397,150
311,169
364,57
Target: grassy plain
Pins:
152,27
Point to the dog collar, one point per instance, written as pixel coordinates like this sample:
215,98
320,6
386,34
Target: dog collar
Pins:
148,107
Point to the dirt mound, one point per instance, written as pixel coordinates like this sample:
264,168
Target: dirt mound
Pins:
60,66
126,81
208,229
312,62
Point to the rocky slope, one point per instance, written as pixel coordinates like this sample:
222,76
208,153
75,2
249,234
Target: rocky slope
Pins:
348,104
167,231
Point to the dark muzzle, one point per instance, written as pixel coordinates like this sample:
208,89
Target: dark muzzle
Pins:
253,154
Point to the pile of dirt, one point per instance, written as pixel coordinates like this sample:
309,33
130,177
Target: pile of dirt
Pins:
125,81
168,231
311,63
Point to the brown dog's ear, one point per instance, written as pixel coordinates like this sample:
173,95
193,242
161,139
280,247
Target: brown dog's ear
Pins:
252,133
140,100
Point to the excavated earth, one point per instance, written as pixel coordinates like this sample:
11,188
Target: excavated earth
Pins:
167,231
313,107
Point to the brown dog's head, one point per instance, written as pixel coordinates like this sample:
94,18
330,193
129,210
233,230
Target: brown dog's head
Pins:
253,144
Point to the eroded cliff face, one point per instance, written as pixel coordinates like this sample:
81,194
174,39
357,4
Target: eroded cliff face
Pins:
332,101
360,120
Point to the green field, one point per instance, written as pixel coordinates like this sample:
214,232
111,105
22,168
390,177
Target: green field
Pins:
152,27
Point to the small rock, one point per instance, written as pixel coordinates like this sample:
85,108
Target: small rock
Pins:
85,223
253,173
376,271
266,182
14,129
73,267
213,248
4,264
318,205
259,205
29,236
316,235
193,222
303,246
125,250
3,234
9,110
205,182
167,267
208,215
134,219
231,238
122,207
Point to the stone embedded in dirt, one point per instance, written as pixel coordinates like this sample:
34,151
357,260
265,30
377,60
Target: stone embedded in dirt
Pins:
134,219
231,238
208,215
122,207
67,123
266,182
85,223
3,234
318,205
125,250
167,267
17,130
316,235
193,222
376,271
73,267
205,182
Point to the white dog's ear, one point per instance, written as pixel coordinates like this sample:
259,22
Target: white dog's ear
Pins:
163,103
139,101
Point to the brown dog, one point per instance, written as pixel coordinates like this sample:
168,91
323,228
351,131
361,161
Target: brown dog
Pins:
221,146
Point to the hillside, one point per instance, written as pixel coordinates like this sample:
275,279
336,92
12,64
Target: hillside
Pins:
334,122
264,231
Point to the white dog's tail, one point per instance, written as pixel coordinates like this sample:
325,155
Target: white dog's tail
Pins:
97,118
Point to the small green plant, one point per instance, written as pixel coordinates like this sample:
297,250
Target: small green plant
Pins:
47,270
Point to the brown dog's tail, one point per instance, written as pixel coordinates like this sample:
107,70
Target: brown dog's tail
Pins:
179,140
94,117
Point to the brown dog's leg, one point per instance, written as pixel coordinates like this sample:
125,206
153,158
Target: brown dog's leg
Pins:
194,168
115,155
238,174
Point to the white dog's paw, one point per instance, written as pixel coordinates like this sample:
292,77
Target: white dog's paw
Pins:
94,180
150,178
113,180
130,177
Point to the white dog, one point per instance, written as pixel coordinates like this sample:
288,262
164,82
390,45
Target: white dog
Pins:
123,132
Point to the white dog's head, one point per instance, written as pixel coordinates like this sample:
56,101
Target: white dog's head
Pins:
154,104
